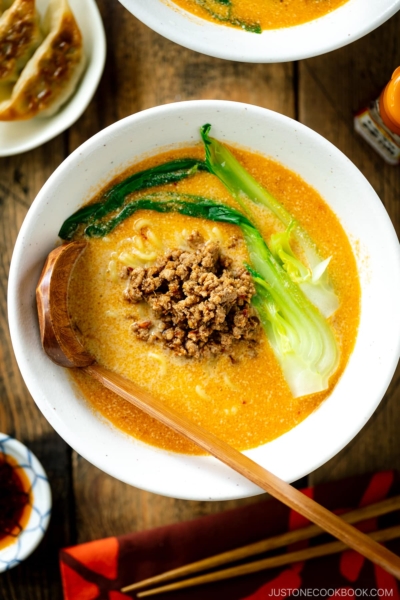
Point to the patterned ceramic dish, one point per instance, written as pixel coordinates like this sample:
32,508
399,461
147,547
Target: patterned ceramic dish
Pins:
344,25
39,505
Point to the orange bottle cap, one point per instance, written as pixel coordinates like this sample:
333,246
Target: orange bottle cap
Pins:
390,103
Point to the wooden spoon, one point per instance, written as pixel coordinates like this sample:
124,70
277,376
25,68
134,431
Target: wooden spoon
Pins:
62,346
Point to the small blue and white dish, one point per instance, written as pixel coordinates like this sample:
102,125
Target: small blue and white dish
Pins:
39,500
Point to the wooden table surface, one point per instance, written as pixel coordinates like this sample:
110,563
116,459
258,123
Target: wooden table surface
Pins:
144,70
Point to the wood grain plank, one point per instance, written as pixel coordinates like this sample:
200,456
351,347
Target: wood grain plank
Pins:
38,576
331,89
144,70
106,506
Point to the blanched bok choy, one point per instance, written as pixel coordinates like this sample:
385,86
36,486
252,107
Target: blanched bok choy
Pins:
169,172
301,338
310,274
221,10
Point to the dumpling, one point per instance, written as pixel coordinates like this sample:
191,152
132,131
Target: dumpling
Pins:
4,4
19,37
53,72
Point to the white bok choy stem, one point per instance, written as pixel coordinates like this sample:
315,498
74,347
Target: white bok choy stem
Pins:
301,338
313,278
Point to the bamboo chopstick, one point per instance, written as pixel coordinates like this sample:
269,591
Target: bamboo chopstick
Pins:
268,563
355,516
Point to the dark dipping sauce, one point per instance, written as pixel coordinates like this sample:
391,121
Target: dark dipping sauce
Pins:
15,496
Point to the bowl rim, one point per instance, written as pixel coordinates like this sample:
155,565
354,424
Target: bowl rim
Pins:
30,537
181,27
76,105
78,157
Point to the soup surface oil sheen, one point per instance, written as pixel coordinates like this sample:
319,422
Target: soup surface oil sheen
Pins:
246,403
268,14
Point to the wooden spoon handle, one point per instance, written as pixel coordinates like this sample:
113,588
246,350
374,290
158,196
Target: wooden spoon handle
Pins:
248,468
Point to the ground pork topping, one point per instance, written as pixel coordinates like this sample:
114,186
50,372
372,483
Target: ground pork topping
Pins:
199,300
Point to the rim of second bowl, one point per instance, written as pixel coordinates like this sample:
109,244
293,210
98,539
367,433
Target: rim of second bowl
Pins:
30,537
17,137
334,30
200,478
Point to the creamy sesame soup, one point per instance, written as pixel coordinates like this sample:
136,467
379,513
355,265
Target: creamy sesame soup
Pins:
257,15
245,401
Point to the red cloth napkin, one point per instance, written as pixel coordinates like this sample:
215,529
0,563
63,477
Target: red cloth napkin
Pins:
97,570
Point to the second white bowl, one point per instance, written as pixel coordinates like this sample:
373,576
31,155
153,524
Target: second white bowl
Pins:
348,23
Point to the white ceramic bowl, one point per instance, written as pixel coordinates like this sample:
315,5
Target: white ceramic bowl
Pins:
26,542
348,23
371,365
19,136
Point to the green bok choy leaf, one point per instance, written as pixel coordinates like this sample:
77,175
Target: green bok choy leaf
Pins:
114,198
313,277
221,10
301,338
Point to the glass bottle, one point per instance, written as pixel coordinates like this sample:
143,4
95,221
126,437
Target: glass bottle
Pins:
379,124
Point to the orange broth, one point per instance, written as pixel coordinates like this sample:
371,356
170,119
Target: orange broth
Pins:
247,403
268,14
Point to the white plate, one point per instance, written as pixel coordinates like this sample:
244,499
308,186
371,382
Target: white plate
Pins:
13,554
371,366
348,23
19,136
